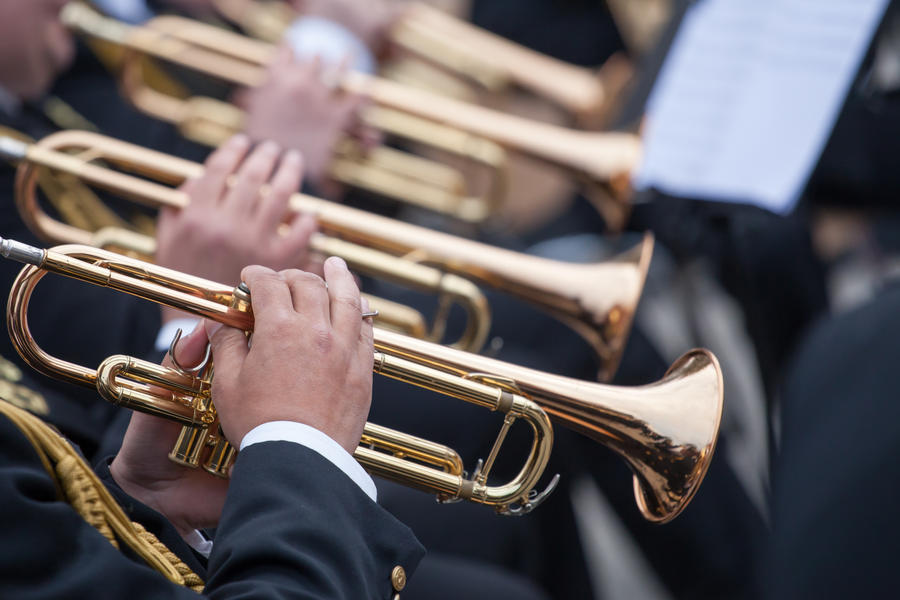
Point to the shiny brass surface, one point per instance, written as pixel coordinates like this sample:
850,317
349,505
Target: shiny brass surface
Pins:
383,170
450,289
497,63
603,161
597,300
665,431
185,398
475,54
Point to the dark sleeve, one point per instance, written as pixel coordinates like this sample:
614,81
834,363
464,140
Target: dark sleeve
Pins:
834,481
48,551
296,526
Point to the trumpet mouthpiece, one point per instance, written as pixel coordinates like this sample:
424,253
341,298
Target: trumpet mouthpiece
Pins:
20,252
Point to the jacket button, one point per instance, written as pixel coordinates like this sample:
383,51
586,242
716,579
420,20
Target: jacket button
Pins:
398,578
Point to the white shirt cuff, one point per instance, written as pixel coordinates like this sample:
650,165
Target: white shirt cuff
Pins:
312,438
314,36
167,331
198,542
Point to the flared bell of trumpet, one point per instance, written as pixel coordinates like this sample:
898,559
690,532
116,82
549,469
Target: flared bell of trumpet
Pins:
665,431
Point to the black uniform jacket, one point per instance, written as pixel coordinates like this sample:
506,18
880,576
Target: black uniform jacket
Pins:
294,526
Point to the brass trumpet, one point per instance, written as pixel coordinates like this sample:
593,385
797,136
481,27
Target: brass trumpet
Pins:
603,161
665,431
450,289
492,62
383,170
597,300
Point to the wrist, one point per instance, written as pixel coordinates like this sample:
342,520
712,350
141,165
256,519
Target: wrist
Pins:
147,496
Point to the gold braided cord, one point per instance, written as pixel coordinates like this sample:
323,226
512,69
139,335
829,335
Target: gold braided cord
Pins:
191,579
81,488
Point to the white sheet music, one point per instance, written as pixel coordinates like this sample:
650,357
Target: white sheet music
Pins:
748,96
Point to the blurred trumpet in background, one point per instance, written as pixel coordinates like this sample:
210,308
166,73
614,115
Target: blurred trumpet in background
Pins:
601,161
597,300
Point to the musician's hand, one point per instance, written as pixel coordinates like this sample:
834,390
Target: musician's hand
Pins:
295,108
228,224
369,20
310,359
189,498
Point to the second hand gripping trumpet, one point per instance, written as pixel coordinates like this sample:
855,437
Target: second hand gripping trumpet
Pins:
665,431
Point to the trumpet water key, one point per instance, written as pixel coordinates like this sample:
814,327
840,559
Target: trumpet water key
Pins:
665,431
597,300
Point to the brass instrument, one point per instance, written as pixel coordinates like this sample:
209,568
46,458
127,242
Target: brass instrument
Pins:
665,431
383,170
597,300
450,289
493,62
603,161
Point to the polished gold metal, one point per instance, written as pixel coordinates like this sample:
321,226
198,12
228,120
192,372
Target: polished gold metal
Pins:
492,62
602,161
450,289
383,170
597,300
665,431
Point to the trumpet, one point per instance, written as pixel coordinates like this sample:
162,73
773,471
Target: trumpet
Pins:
383,170
451,290
596,300
490,61
666,431
602,161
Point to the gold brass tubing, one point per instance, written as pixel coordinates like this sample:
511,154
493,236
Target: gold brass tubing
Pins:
669,458
425,451
665,431
496,62
263,20
240,60
209,121
471,52
597,300
153,283
600,159
398,317
366,260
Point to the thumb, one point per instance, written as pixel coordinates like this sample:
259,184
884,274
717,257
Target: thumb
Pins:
229,348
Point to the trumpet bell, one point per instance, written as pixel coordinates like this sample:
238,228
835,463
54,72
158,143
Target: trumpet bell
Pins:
669,472
666,431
